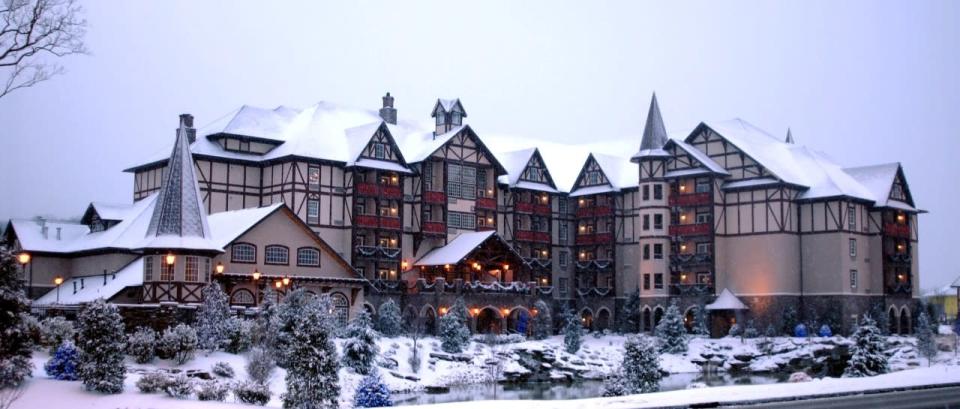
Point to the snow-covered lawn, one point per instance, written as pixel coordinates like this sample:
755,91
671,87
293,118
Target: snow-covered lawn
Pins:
597,357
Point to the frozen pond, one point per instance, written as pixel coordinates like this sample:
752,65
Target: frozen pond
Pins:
578,390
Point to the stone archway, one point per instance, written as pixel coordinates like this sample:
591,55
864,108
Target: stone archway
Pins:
905,321
603,319
429,317
586,318
646,321
489,321
893,321
518,321
657,316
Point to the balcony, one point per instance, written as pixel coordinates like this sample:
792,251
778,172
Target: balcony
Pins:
697,229
373,222
486,203
691,289
535,236
594,291
364,220
900,258
901,288
691,258
593,239
375,190
378,252
434,228
392,223
690,199
896,230
594,265
434,197
594,211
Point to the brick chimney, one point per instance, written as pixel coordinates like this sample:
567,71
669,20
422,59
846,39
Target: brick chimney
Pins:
388,112
186,120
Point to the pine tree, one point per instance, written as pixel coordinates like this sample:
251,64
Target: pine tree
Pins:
700,325
311,358
459,308
287,313
372,393
671,331
62,366
572,332
629,317
212,317
641,366
264,327
101,343
390,320
15,341
360,348
542,321
454,334
868,358
925,341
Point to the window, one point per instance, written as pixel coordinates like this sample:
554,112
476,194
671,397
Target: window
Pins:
851,217
853,279
658,251
563,205
703,217
148,268
313,178
456,117
564,231
482,183
464,221
563,258
379,150
646,281
658,281
592,178
646,192
166,272
646,252
191,271
658,221
703,186
564,284
427,176
657,192
646,222
243,253
206,270
341,309
703,248
853,247
275,254
440,118
313,211
461,181
308,257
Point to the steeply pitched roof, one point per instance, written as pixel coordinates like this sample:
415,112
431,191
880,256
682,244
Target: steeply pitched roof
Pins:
455,250
727,301
654,134
447,105
878,180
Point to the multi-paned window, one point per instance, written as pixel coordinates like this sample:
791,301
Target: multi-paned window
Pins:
646,252
658,251
428,176
341,308
148,268
192,269
853,247
702,186
851,217
646,222
658,221
853,279
243,253
308,257
461,181
703,217
564,285
460,220
313,178
563,205
658,281
380,150
563,258
276,254
657,191
646,281
482,183
313,211
564,231
646,192
166,272
703,248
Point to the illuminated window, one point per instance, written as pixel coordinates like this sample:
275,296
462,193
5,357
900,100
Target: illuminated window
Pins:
313,178
166,272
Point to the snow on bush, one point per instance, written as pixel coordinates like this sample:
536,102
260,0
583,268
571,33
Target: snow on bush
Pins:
372,393
212,390
572,332
868,358
613,385
390,321
750,331
701,319
253,393
222,369
542,321
17,325
180,387
628,321
152,382
309,354
825,331
360,348
263,332
734,331
501,339
453,332
641,366
671,331
288,313
54,331
798,377
142,344
212,317
236,335
100,340
260,365
178,343
62,366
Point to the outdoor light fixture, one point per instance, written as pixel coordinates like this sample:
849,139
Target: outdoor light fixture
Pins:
170,259
901,217
475,310
533,311
58,280
683,277
393,273
683,217
543,281
404,265
278,284
505,311
23,258
443,310
256,274
580,202
682,188
683,247
394,179
506,266
286,281
544,253
219,267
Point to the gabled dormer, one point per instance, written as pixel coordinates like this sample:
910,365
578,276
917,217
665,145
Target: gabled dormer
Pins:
448,114
382,147
900,191
591,175
536,171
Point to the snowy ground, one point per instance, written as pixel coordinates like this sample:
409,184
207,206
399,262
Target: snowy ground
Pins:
598,356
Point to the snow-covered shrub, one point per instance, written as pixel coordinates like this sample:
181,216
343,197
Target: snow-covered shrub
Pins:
180,387
152,382
868,358
236,335
360,349
222,369
925,341
212,390
178,343
501,339
613,385
31,328
100,340
542,321
16,323
390,321
212,318
641,366
253,393
825,331
62,366
260,365
310,355
798,377
771,331
54,331
572,332
264,330
750,331
454,334
288,313
800,331
671,331
142,344
372,393
734,331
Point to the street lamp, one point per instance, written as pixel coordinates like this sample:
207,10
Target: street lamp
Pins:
58,280
170,259
220,267
256,287
24,259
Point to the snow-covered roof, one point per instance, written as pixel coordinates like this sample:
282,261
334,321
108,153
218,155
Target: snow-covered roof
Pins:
228,226
654,134
701,157
727,301
110,211
620,172
878,180
94,287
456,249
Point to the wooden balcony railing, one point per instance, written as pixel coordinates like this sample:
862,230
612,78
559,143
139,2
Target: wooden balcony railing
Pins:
594,211
434,228
435,197
539,209
536,236
486,203
373,189
364,220
370,221
896,230
690,199
690,229
591,239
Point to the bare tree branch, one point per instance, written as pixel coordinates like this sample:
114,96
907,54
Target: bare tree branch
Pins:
33,34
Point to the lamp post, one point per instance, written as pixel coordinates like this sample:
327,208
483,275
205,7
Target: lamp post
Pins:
24,259
256,287
279,285
58,280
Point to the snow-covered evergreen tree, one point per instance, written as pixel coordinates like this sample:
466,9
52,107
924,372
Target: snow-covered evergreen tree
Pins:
868,358
101,343
751,330
260,365
237,335
142,345
15,341
454,334
212,317
671,331
629,317
360,348
178,343
459,308
701,326
925,341
62,366
641,366
311,358
372,393
542,321
264,331
613,384
54,331
572,332
390,321
287,313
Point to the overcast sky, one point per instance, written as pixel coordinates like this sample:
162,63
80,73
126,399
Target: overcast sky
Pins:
867,82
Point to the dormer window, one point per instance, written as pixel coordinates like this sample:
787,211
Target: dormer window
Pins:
440,118
379,151
455,118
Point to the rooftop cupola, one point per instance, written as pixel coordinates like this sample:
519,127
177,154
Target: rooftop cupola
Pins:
388,113
449,114
654,134
186,121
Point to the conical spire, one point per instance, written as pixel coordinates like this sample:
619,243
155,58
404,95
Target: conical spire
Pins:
654,133
789,137
178,210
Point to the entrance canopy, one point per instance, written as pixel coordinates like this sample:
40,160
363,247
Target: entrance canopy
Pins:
460,247
727,301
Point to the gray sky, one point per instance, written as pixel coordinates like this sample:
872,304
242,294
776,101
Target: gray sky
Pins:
867,82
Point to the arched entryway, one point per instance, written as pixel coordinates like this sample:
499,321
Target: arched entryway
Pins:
893,321
904,321
586,318
518,322
341,309
603,319
429,317
647,320
690,319
657,316
489,321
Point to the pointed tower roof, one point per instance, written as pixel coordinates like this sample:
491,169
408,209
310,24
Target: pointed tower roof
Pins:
789,137
654,134
179,220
